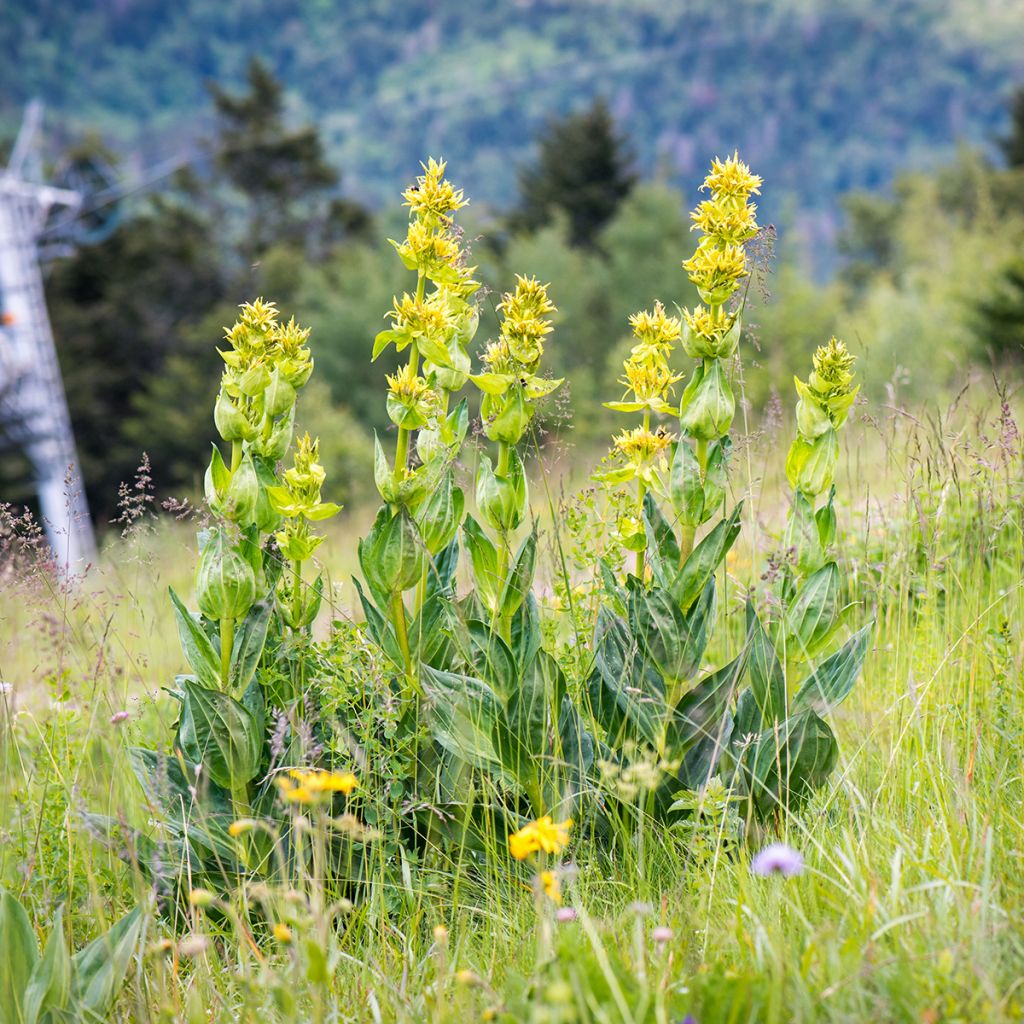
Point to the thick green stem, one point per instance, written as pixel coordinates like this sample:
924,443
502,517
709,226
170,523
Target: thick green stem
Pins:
641,493
227,643
498,624
402,632
297,590
402,444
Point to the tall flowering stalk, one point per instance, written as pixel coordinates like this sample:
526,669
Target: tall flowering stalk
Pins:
423,507
511,387
642,454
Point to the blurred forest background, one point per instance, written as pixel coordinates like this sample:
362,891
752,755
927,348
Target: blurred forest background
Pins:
890,134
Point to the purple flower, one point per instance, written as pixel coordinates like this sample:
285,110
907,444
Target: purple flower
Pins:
563,915
118,717
662,934
778,859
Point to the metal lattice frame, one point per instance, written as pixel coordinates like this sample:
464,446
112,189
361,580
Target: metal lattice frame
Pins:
33,407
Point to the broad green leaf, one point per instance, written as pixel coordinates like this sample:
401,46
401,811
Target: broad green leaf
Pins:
716,477
705,559
100,968
814,613
491,660
700,762
767,677
831,682
784,766
221,734
379,628
520,577
660,627
250,638
196,644
541,689
662,547
525,632
49,988
701,711
483,557
625,691
440,515
464,716
19,954
392,555
684,486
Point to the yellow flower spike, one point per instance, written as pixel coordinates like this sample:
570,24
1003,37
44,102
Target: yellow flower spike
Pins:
552,888
429,251
524,326
731,179
433,198
648,379
282,933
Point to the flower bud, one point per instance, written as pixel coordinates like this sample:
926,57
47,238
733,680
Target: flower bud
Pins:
230,421
242,493
707,406
811,465
225,583
511,418
502,499
279,396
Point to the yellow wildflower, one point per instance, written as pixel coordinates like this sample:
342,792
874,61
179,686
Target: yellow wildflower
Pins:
552,888
524,326
641,444
428,251
542,835
730,224
282,933
433,198
307,786
716,272
731,179
648,378
429,316
654,328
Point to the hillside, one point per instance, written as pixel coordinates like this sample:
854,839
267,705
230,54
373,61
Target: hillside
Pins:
820,97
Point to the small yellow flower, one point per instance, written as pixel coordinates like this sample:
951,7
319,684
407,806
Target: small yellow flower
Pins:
236,828
282,933
407,386
433,198
427,250
648,378
654,328
524,326
542,835
731,178
306,786
429,316
730,224
641,444
551,885
713,270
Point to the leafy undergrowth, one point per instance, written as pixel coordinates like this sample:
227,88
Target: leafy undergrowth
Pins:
907,905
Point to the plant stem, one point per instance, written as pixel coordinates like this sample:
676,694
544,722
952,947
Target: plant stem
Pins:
297,590
401,631
236,455
641,492
402,444
227,643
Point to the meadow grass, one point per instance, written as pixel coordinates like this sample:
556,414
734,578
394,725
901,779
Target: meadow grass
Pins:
910,905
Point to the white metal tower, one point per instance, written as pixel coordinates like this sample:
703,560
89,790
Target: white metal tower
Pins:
33,407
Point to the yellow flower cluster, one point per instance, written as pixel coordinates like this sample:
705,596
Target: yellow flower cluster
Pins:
429,316
727,220
524,326
433,199
642,445
654,328
540,836
647,373
312,786
259,343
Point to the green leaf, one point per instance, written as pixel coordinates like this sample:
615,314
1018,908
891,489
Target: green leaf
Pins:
250,638
700,762
491,660
483,557
660,626
831,682
684,486
627,694
196,644
189,803
49,988
221,734
464,716
785,766
662,547
99,969
392,555
705,559
701,711
378,627
814,613
716,477
19,954
520,577
440,516
541,688
525,632
767,677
